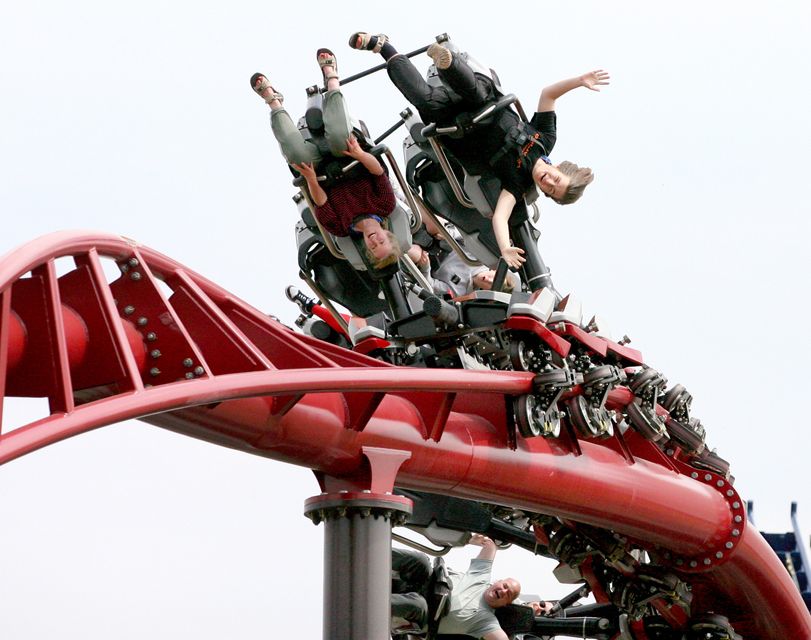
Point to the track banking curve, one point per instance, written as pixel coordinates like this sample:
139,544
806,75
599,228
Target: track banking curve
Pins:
165,345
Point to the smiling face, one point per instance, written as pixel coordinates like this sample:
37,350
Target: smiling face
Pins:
502,592
381,245
378,242
551,180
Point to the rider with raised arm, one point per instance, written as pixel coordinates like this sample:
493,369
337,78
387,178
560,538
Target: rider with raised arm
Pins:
473,597
355,205
515,151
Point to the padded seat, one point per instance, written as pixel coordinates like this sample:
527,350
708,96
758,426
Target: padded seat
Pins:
399,225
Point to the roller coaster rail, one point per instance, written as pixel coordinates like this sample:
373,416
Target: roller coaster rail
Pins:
161,343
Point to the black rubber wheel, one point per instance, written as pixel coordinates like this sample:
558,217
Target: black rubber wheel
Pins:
554,377
532,422
657,628
600,375
711,461
520,355
526,410
578,414
685,436
591,423
711,627
675,396
645,421
641,379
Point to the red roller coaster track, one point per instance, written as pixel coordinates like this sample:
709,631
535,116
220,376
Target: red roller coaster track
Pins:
167,346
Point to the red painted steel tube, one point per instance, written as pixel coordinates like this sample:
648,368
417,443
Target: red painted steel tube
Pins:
311,434
16,340
75,336
646,500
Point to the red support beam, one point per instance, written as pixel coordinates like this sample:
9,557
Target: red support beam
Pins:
299,401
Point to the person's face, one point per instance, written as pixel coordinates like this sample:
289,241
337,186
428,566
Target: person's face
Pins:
502,592
551,180
378,242
484,280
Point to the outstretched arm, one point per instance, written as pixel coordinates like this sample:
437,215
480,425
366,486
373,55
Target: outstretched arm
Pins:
592,80
501,218
488,552
489,547
354,151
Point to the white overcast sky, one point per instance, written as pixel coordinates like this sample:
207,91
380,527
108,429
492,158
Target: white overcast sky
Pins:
138,119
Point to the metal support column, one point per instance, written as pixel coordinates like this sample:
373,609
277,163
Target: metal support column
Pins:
357,548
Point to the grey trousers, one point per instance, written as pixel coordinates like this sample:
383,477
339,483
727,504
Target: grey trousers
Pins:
410,573
337,128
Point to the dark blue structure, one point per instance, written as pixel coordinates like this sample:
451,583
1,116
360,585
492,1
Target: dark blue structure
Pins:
790,548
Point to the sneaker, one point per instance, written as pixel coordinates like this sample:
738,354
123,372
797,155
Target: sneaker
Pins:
441,56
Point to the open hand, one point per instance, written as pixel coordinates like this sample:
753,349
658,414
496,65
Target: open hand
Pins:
593,79
480,541
353,149
306,169
418,255
513,257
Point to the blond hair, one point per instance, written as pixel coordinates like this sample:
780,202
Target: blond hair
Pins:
579,179
390,258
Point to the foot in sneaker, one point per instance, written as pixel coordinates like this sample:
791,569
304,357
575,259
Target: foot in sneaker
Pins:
441,56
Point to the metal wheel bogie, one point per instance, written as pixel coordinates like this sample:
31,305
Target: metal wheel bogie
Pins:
532,420
590,421
528,353
711,626
690,439
642,379
526,418
711,461
645,420
601,375
519,355
677,401
657,628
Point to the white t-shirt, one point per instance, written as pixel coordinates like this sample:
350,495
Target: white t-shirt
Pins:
469,614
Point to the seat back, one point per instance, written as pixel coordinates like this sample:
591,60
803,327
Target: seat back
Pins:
399,222
424,175
470,209
337,279
438,595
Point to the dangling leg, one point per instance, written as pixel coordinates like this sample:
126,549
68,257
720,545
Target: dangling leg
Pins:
475,89
410,573
294,148
378,43
337,124
410,570
433,103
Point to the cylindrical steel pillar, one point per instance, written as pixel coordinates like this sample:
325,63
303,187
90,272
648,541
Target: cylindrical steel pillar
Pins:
357,561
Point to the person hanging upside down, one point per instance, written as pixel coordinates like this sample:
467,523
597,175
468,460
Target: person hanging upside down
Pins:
474,598
356,205
515,151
